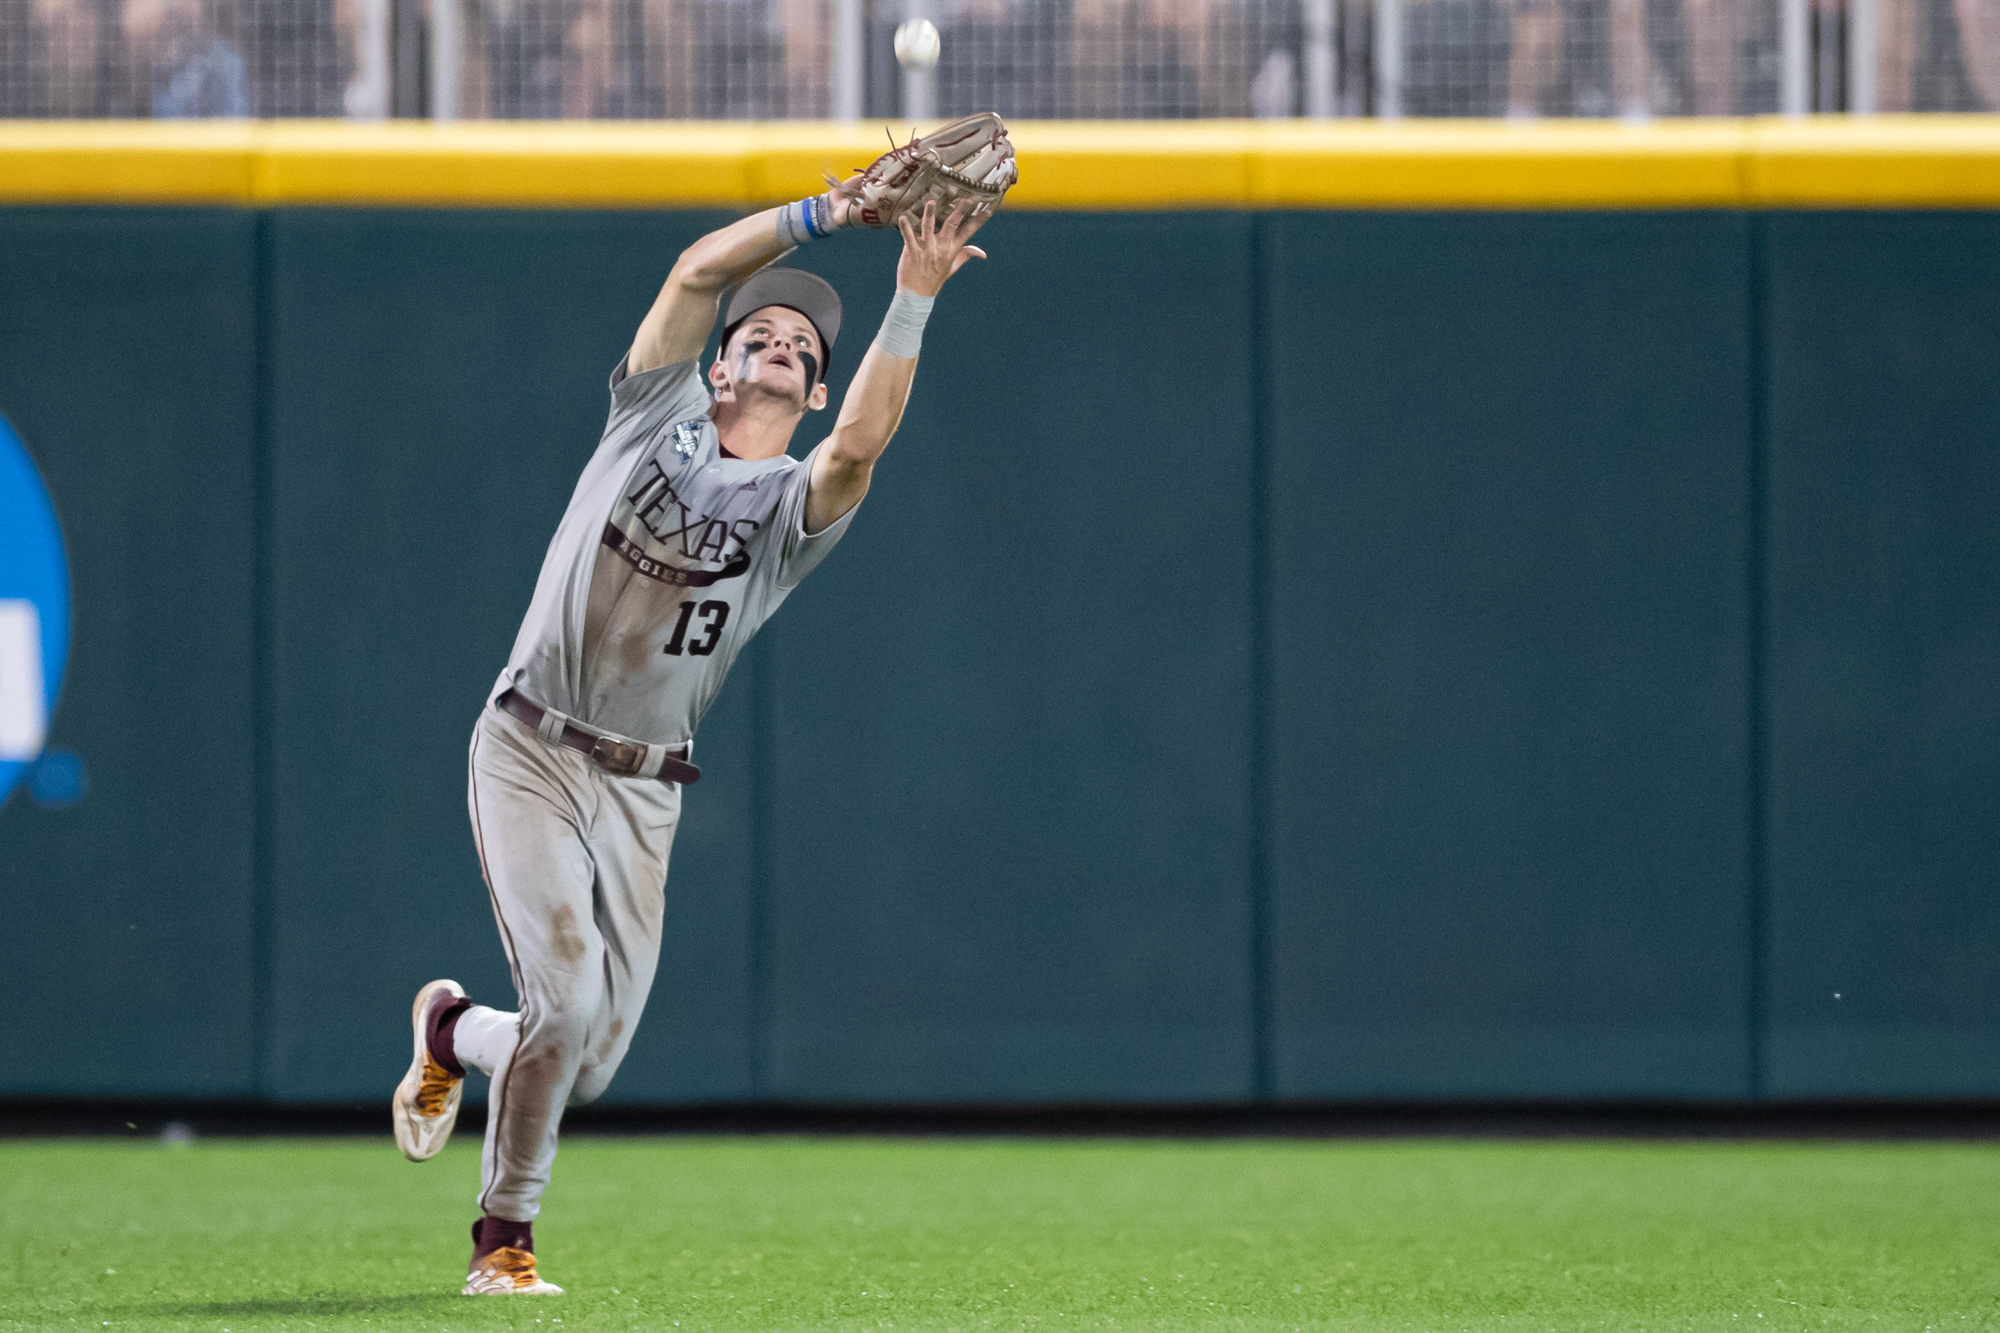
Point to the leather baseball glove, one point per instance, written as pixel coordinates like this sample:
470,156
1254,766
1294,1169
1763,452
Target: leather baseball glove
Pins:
971,158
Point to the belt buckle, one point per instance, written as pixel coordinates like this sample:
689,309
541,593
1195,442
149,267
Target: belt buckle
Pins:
617,756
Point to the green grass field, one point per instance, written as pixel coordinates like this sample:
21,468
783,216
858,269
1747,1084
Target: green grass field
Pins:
935,1234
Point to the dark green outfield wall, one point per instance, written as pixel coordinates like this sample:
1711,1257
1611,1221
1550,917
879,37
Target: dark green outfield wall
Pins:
1509,621
128,363
1294,655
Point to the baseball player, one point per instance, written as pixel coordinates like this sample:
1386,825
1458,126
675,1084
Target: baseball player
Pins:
689,527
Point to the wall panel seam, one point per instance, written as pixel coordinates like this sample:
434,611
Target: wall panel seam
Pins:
763,1053
1263,1082
1757,752
262,789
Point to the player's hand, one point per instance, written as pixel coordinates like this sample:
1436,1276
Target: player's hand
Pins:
934,248
838,202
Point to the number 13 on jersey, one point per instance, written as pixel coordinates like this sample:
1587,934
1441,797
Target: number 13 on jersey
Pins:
714,615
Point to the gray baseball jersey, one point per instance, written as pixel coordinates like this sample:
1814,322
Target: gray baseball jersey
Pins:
669,558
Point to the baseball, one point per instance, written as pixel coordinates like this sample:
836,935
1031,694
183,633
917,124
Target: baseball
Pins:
917,45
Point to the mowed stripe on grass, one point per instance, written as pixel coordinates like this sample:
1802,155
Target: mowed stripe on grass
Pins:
705,1233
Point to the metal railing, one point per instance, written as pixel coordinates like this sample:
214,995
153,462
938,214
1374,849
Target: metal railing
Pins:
1115,59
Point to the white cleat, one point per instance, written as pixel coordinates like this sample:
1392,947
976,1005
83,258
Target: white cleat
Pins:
426,1103
507,1271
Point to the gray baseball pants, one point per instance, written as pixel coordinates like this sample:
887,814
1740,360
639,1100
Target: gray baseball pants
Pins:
576,862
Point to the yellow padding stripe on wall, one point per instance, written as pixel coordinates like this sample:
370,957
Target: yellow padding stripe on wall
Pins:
1832,162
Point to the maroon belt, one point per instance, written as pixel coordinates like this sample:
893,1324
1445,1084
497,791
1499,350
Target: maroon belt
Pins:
625,758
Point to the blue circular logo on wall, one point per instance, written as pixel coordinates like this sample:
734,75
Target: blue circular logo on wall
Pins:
34,617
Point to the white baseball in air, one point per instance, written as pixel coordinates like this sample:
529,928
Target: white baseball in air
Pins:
917,45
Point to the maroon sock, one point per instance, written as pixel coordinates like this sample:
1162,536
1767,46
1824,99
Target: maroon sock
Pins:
490,1233
439,1025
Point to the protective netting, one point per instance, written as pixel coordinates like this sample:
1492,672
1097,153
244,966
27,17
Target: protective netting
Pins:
1121,59
1611,58
89,58
622,59
1930,55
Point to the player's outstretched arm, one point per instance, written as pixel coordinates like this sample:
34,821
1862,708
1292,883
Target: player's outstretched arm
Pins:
934,248
677,326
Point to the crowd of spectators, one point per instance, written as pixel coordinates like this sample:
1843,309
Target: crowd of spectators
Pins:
1938,57
1027,58
166,59
1637,58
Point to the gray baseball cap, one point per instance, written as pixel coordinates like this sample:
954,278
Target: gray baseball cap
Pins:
795,289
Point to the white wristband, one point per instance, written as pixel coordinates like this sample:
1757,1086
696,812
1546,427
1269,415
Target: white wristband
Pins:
902,332
806,220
